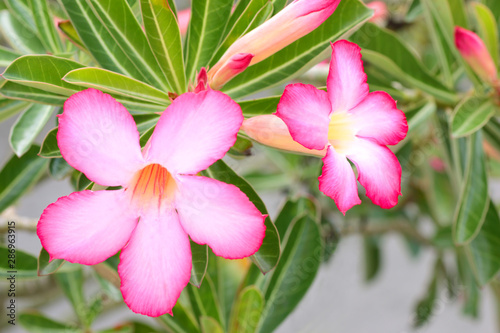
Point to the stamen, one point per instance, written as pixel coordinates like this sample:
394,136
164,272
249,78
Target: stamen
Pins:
152,185
341,132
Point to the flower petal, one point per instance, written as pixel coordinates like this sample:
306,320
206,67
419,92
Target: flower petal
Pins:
86,227
346,81
378,118
338,181
155,265
271,131
220,215
379,172
99,137
196,130
305,110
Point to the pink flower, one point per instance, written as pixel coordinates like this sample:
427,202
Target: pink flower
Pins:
162,200
476,54
183,18
352,124
380,14
295,21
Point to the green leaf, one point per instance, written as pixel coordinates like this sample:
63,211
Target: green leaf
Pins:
210,325
46,26
182,321
487,28
301,55
257,107
204,300
45,267
126,31
425,307
208,20
49,148
117,84
459,13
294,273
21,92
371,250
391,54
247,311
9,107
19,175
268,255
199,254
18,36
70,33
22,12
28,126
43,72
37,323
414,11
14,261
483,250
164,37
59,168
7,56
71,283
471,115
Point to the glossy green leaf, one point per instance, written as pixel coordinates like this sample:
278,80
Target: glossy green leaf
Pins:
204,300
208,20
268,255
471,291
38,323
19,175
21,10
301,55
210,325
483,250
49,148
44,266
199,254
471,115
69,31
164,37
46,27
28,126
43,72
291,212
257,107
126,31
117,84
294,274
14,261
487,28
18,35
247,311
9,107
279,5
7,56
182,321
391,54
24,93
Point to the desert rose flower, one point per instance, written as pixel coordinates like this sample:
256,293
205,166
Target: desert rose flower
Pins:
347,122
161,202
293,22
475,53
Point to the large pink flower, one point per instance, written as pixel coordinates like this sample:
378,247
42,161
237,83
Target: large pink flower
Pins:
352,124
162,200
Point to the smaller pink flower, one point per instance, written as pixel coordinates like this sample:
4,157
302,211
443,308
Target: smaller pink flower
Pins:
380,14
352,124
161,201
234,66
183,18
475,53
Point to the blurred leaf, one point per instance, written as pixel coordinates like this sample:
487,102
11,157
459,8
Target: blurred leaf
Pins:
487,28
387,51
7,56
9,107
20,9
414,11
182,321
164,37
19,175
69,31
247,311
483,250
118,84
257,107
118,19
38,323
204,301
16,261
46,26
470,289
44,267
17,91
268,255
459,13
208,19
71,283
18,35
301,55
59,168
471,115
371,250
49,148
425,307
294,273
43,72
28,126
210,325
200,262
474,198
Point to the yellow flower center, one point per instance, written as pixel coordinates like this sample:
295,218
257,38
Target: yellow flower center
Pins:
152,185
341,132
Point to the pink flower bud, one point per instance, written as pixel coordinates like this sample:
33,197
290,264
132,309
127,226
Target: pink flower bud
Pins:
476,54
234,66
183,17
380,14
